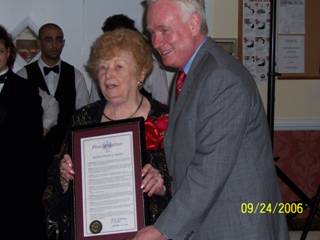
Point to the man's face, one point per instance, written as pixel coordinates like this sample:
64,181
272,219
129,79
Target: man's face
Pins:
171,36
51,43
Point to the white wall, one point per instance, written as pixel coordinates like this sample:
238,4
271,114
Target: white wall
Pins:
224,21
81,21
14,12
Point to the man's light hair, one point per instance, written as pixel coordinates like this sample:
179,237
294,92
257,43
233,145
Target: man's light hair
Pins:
189,7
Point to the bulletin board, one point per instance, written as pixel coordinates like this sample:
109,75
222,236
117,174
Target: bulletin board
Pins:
253,12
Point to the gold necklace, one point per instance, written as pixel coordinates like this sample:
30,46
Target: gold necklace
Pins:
140,104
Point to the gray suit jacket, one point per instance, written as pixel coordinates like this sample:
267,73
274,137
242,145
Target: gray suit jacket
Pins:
219,155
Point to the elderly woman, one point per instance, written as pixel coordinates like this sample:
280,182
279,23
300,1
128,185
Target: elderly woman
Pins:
120,60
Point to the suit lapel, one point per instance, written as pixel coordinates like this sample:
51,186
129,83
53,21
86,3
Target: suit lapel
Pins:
7,98
176,107
40,79
3,103
189,85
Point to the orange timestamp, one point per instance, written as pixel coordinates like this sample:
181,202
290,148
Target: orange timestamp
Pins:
270,208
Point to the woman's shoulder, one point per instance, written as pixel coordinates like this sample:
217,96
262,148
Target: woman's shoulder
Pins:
24,88
88,114
17,80
157,108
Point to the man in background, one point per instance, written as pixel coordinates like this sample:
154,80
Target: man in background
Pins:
59,79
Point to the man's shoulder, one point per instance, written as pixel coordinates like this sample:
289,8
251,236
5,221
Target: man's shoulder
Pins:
16,78
29,68
23,85
31,65
157,108
70,66
67,64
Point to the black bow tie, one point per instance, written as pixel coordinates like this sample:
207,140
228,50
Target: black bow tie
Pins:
48,69
3,78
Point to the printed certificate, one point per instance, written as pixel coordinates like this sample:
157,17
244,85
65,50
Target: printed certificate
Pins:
108,163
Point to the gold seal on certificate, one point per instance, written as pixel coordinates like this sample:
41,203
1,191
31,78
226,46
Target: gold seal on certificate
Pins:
95,226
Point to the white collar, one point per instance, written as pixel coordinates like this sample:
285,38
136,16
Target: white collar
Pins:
4,71
43,64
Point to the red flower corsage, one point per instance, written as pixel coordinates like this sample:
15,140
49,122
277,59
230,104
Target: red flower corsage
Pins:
155,130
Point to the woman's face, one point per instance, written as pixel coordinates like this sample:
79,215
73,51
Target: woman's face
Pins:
4,55
118,78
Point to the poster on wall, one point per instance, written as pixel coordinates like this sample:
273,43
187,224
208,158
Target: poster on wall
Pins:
291,17
291,36
291,54
256,37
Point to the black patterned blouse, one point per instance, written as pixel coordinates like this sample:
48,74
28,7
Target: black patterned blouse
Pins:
59,205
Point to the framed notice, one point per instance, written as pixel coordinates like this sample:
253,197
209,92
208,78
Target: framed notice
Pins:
108,200
298,38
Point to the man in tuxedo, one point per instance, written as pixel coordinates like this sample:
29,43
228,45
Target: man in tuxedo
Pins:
217,144
59,79
20,141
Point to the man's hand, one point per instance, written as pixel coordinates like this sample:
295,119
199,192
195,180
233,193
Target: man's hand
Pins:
149,233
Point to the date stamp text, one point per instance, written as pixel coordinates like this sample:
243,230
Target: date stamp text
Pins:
270,208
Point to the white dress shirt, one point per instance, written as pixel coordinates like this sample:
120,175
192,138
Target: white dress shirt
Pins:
49,103
50,108
2,73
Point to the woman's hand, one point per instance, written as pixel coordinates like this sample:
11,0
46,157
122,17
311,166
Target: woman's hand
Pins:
66,171
152,182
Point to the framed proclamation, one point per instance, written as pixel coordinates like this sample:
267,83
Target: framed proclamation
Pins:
108,200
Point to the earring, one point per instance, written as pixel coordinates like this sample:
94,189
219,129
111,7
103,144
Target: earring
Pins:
139,84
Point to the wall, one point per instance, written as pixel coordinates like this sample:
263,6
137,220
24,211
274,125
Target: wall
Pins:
297,116
13,13
224,18
81,21
297,101
299,159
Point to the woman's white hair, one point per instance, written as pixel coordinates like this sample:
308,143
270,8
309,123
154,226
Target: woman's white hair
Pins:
189,7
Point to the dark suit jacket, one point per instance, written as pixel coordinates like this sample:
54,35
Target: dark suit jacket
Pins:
219,155
20,139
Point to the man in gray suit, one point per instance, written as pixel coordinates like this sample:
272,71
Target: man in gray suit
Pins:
217,144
